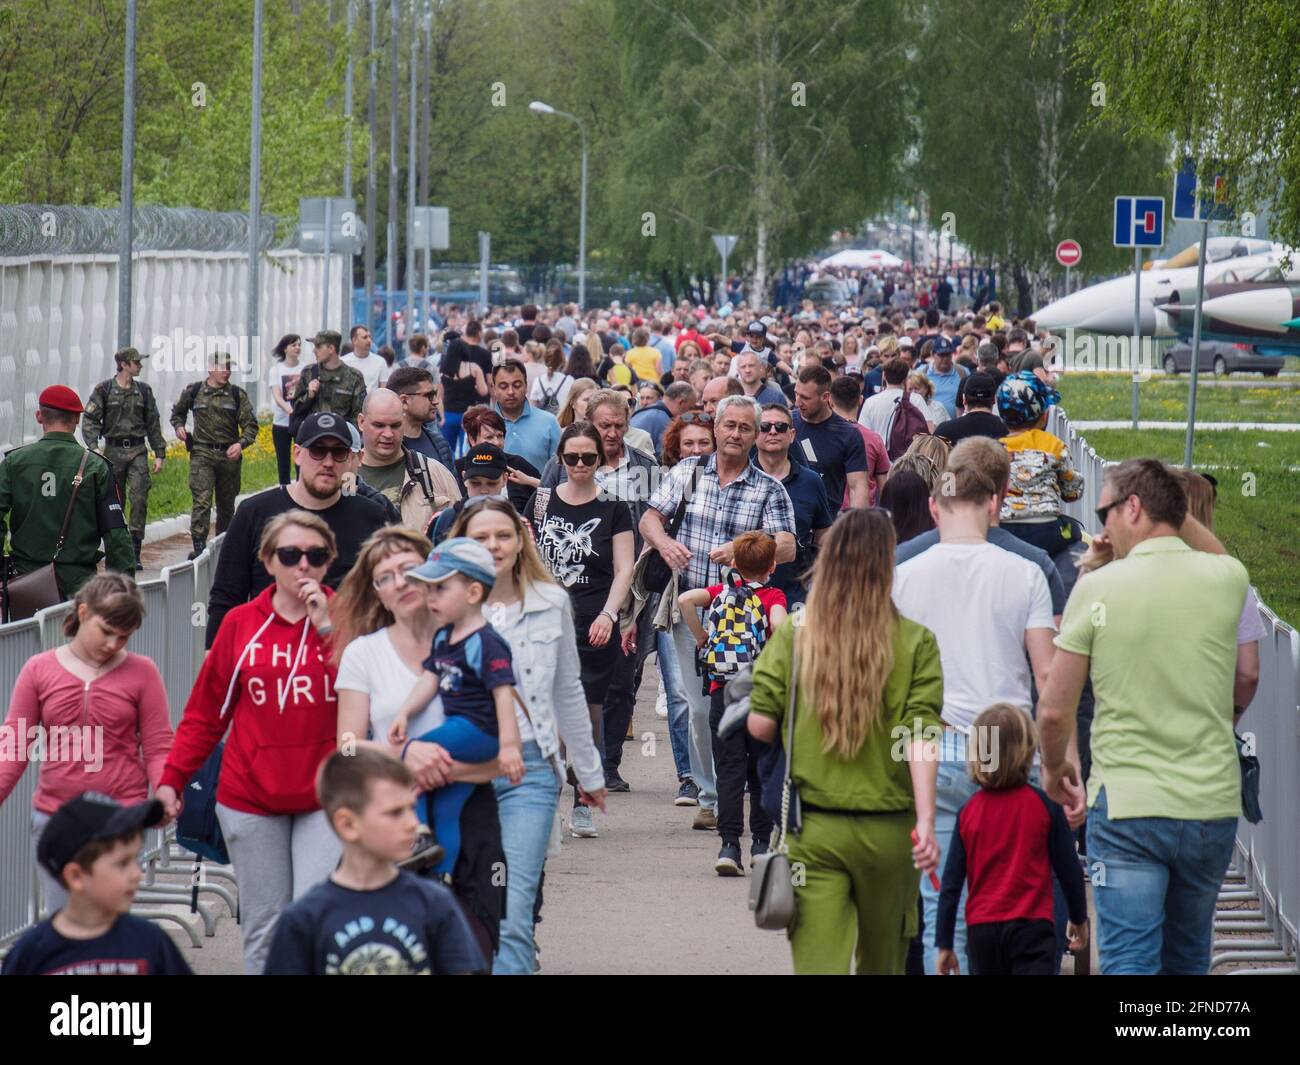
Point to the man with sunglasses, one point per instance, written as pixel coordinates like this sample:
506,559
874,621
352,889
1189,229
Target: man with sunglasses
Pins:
124,411
419,394
322,451
812,510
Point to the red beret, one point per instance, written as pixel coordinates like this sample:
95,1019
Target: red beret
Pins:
61,397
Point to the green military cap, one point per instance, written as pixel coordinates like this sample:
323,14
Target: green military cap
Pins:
327,336
126,355
221,358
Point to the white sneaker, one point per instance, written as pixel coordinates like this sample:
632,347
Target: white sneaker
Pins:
661,703
581,823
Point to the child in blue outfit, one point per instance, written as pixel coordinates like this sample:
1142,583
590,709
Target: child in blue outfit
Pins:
470,665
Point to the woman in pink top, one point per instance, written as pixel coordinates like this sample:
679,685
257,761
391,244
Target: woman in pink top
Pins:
90,712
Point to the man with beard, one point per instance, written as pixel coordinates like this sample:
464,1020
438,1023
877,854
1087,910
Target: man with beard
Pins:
322,449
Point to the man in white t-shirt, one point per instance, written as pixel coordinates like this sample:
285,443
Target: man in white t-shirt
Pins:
987,609
878,411
370,366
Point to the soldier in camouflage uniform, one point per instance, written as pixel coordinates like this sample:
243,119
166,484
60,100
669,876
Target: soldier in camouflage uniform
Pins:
35,488
124,411
224,425
328,385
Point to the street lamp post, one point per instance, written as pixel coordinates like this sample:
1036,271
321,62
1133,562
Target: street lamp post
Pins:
539,108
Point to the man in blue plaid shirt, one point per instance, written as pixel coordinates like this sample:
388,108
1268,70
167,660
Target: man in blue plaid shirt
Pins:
728,496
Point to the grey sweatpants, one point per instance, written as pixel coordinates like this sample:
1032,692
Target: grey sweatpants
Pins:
276,860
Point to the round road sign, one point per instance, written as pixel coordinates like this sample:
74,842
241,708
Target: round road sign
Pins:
1069,252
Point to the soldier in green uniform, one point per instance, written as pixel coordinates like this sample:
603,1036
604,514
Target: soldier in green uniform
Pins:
328,385
35,488
224,425
124,411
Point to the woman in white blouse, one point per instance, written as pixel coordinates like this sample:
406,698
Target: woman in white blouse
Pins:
534,616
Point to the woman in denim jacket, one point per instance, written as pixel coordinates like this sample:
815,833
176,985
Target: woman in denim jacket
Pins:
533,614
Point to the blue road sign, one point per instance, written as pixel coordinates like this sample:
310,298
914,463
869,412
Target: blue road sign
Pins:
1139,221
1200,201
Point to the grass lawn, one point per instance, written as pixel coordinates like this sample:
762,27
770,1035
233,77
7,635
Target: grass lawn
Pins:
1259,497
1108,397
170,494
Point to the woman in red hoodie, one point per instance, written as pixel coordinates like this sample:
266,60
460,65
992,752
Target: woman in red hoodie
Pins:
269,678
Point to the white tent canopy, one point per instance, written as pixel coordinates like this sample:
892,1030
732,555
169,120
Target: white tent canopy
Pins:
863,259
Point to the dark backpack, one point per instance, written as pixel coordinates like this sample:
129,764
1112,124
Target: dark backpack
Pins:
306,378
197,828
905,424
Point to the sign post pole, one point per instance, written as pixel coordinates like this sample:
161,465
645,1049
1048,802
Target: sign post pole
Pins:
1137,327
1196,347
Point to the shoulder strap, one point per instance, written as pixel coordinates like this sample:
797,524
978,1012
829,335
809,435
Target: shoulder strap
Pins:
541,500
67,517
789,737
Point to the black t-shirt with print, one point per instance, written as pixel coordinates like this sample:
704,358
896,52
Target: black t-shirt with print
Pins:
131,947
577,544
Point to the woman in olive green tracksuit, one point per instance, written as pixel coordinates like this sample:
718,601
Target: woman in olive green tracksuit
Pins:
870,689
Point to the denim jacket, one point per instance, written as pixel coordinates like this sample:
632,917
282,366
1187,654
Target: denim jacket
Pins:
549,678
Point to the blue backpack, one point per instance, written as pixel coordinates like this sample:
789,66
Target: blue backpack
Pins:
197,828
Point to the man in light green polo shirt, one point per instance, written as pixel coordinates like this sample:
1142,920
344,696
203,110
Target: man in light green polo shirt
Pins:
1157,631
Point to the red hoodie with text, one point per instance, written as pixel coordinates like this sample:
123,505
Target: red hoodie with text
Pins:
271,682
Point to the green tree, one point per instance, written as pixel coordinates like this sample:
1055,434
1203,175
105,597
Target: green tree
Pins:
1221,80
1013,146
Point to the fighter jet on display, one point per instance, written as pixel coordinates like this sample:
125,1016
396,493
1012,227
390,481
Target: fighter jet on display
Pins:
1108,307
1260,307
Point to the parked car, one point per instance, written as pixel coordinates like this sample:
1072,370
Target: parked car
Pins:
1221,358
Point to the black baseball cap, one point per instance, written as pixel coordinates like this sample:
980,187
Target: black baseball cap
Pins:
321,426
981,387
757,327
88,818
486,460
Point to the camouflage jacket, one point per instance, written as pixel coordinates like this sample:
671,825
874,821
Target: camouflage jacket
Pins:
114,412
342,391
222,415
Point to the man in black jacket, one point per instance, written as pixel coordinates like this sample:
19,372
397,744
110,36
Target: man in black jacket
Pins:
322,450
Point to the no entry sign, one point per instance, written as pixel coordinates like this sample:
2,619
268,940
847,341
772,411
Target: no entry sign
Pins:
1069,252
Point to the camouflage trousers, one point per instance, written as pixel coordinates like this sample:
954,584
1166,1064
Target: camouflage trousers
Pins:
211,471
131,472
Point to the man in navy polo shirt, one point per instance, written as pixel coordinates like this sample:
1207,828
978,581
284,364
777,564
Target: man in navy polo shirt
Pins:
812,510
832,447
531,433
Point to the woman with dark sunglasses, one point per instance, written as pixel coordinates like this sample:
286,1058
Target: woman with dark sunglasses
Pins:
270,681
587,543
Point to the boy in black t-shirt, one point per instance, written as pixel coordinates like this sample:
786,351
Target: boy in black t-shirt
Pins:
471,666
92,847
369,918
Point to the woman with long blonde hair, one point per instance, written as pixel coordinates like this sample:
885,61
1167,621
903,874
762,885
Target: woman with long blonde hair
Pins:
869,692
534,616
575,403
926,456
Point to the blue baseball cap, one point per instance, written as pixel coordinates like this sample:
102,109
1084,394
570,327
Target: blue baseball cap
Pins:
940,345
460,555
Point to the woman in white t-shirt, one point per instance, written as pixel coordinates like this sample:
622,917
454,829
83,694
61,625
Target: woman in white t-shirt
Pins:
382,634
551,389
282,379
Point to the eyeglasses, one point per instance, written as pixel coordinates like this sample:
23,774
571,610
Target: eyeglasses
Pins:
387,580
1103,512
774,427
423,395
692,417
320,453
572,458
291,556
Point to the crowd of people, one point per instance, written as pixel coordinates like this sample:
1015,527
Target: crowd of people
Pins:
849,524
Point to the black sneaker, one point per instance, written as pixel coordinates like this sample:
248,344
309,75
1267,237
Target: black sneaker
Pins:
615,784
729,861
759,847
687,794
425,853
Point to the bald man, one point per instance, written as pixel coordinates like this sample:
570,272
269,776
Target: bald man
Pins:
390,468
716,389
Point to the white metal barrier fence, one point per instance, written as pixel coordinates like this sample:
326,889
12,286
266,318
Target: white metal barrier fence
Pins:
1265,875
58,322
172,636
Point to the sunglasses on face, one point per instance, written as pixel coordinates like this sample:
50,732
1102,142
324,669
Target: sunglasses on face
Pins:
1104,512
774,427
320,453
572,458
291,556
692,417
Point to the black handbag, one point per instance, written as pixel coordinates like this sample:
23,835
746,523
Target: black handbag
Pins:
771,888
656,573
1250,808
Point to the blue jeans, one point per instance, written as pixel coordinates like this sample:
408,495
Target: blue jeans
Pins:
700,747
440,808
526,811
1157,881
679,710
